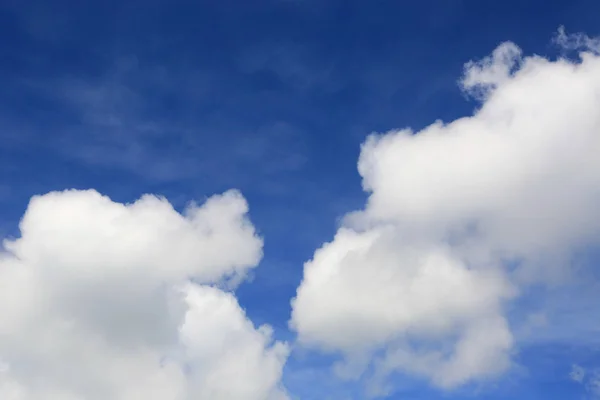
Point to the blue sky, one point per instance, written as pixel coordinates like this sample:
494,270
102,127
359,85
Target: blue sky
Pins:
273,97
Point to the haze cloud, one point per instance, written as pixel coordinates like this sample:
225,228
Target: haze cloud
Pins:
462,218
102,300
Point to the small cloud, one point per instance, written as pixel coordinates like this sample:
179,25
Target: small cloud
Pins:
589,379
593,385
576,41
481,77
577,373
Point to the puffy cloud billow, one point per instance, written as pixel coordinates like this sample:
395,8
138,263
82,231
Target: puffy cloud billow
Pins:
102,300
462,218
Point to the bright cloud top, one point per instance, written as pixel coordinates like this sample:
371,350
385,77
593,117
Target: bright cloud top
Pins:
97,303
461,217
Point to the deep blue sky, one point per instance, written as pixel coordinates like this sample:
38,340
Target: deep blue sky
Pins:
273,97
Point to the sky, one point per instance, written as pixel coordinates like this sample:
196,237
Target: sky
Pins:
299,199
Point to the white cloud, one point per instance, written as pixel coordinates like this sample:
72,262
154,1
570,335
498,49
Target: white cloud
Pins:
593,385
461,218
485,75
576,41
589,379
97,303
577,373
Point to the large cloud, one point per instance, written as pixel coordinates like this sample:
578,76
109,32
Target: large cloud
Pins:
101,300
461,218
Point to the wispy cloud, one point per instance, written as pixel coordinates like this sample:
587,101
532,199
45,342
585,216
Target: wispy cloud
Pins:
577,373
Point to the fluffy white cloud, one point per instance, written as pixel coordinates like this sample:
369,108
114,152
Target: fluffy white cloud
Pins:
101,300
461,217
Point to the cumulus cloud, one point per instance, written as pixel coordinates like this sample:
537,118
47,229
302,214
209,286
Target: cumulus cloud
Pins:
102,300
461,219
